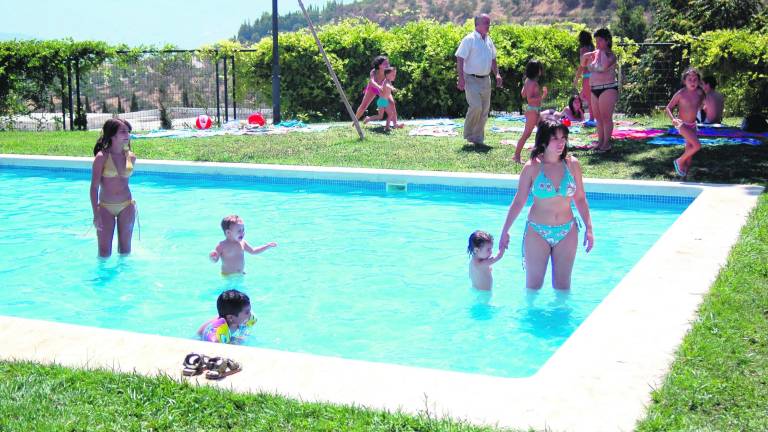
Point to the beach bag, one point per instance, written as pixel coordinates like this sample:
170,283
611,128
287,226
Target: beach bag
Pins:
754,123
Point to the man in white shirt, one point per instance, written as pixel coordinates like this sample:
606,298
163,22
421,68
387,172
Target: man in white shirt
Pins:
475,61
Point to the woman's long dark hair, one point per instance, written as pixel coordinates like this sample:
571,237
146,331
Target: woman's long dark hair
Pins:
585,40
581,105
546,129
108,131
378,60
533,69
604,33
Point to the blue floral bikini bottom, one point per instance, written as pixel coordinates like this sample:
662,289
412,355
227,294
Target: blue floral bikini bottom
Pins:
552,234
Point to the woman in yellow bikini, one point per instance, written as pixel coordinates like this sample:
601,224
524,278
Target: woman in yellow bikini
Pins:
110,195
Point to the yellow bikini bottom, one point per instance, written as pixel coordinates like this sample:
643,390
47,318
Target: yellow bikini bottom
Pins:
116,208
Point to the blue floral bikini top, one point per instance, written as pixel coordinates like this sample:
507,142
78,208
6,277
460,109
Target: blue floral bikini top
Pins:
543,188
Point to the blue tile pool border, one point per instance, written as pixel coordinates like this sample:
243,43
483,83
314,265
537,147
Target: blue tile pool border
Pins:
369,186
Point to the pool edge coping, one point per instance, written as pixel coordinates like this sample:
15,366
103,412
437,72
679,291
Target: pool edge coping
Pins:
600,379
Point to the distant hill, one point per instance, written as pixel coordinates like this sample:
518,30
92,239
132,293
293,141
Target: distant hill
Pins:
12,36
396,12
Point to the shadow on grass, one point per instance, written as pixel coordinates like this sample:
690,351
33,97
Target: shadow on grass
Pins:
476,148
378,129
712,164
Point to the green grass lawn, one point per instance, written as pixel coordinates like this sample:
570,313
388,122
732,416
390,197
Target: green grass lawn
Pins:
718,382
341,147
53,398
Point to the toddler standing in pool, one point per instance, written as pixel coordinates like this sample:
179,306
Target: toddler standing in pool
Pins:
231,249
480,249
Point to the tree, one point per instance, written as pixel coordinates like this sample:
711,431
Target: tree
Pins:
104,108
602,5
81,119
185,99
165,119
630,21
698,16
134,102
88,108
120,109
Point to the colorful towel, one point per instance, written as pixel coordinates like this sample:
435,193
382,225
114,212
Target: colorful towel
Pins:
635,134
722,131
510,117
291,124
506,129
436,131
578,145
425,122
678,140
187,133
280,129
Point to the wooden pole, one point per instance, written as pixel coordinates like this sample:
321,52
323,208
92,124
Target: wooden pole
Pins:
333,74
275,67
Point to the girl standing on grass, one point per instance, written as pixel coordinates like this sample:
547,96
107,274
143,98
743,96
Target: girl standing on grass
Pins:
585,46
689,100
375,83
534,94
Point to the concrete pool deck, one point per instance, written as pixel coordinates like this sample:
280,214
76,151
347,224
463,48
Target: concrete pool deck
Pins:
599,379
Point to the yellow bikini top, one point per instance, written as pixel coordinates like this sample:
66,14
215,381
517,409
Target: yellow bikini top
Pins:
110,170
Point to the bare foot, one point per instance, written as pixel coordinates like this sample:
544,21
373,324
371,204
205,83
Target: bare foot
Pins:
602,149
400,125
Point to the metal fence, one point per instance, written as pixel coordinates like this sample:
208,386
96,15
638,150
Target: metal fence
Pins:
170,88
650,76
151,89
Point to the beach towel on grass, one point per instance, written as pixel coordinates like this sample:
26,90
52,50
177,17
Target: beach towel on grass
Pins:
636,134
506,129
678,140
186,133
424,122
436,131
509,117
722,131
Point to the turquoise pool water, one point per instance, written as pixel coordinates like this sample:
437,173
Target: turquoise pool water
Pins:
359,273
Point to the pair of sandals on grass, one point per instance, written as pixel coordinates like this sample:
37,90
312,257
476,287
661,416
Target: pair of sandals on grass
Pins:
215,368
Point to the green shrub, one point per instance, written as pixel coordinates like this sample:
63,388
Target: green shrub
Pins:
29,69
422,51
739,61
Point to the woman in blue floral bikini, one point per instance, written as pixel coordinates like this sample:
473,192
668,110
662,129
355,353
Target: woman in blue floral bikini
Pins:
551,232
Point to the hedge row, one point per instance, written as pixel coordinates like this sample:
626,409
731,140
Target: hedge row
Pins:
423,52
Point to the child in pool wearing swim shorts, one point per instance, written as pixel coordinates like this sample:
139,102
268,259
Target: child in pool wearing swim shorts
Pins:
234,321
386,102
480,249
231,249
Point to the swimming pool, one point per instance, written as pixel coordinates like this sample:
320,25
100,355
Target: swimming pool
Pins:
360,273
